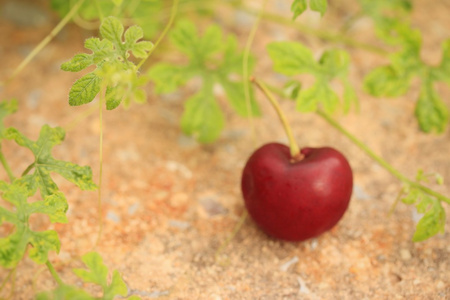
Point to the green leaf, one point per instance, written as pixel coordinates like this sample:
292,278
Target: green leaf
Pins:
431,111
291,58
6,108
298,7
433,222
44,162
78,62
335,63
202,117
97,271
184,37
55,206
101,50
13,247
236,96
111,29
309,99
139,49
319,6
117,287
386,82
85,89
43,242
168,78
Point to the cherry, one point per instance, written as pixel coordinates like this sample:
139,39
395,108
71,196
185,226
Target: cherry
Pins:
298,198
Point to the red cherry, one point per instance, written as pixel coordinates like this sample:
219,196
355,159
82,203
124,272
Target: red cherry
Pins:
296,200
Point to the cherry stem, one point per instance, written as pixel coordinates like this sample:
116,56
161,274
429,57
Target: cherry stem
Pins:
295,150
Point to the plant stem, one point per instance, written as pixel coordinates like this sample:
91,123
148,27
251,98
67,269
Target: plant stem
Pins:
45,41
233,234
295,150
100,208
54,273
245,70
163,34
6,165
324,35
28,169
381,161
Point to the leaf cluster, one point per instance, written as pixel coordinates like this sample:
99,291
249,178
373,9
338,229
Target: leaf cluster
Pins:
395,79
433,214
96,273
114,70
293,58
216,61
53,202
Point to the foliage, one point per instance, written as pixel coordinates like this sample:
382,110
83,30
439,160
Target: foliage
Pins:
97,273
292,58
433,219
216,61
114,68
395,79
299,6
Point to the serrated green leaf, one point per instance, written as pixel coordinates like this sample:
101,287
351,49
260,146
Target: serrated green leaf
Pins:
85,89
236,96
116,288
291,58
97,271
433,222
44,162
78,62
13,247
139,49
202,117
111,29
101,49
298,7
55,206
319,6
412,196
43,242
431,111
6,108
386,82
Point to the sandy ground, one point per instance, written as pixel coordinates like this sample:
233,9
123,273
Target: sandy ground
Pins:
169,203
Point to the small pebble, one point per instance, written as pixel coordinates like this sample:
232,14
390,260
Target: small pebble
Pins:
405,254
284,267
179,224
113,217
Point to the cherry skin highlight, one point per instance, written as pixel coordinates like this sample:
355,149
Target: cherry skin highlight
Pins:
296,200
